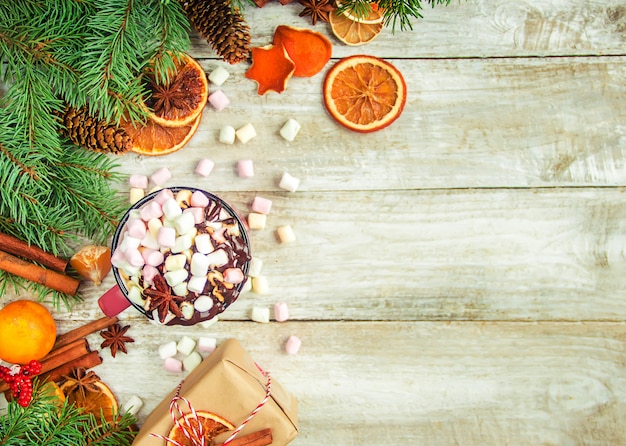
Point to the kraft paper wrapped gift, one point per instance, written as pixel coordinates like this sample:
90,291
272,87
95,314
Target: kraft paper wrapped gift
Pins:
228,383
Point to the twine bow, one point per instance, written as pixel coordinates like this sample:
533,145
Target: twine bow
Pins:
196,433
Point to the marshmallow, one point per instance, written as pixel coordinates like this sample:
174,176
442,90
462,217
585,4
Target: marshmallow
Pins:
198,214
289,183
285,234
149,272
256,220
210,322
219,75
204,167
227,135
182,243
184,222
217,257
245,168
163,196
233,275
192,361
135,195
290,129
260,285
133,405
172,365
150,242
218,100
260,314
204,245
161,176
180,289
136,228
175,262
199,199
175,277
134,257
247,286
196,284
292,345
152,257
118,258
134,295
129,242
199,264
203,303
206,344
150,211
171,209
167,350
166,237
261,205
245,133
138,181
281,311
186,345
154,224
187,309
183,197
256,265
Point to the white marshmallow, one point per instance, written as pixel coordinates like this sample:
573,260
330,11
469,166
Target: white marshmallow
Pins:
180,289
204,245
154,224
255,267
187,309
285,234
198,214
172,365
182,243
219,75
175,262
260,314
246,133
129,242
150,242
192,361
210,322
206,344
171,209
218,257
256,220
186,345
290,129
167,350
199,264
196,284
289,183
134,295
175,277
184,222
205,166
203,304
227,135
135,195
260,285
133,405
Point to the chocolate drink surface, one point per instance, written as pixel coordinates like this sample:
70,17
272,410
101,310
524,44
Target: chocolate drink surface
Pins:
181,255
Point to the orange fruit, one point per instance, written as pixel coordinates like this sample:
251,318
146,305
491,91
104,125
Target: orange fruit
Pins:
353,32
212,426
27,332
182,100
92,262
99,403
364,93
155,139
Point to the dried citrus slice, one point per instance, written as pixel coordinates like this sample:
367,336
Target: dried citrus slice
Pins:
99,402
154,139
92,262
375,15
353,32
212,426
180,102
364,93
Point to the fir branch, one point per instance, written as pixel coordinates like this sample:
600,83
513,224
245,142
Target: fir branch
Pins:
395,12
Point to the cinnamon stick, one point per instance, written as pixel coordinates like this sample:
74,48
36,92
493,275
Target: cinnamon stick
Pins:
38,274
87,361
259,438
21,248
84,330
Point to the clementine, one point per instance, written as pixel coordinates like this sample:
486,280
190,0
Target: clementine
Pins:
27,331
92,262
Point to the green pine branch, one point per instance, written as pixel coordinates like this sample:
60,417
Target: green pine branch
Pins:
396,13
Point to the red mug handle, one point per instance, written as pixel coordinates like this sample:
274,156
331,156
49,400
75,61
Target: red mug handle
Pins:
113,302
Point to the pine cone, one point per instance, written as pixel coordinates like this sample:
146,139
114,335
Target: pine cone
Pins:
92,133
222,26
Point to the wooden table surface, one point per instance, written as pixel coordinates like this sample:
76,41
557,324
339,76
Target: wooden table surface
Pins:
457,278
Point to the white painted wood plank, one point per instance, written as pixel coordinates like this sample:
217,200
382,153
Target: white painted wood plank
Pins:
420,383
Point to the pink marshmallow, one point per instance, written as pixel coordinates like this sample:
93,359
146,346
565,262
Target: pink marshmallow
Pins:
204,167
136,228
245,168
218,100
161,176
173,365
199,199
281,311
292,345
166,237
198,214
151,210
233,275
261,205
117,258
163,196
152,257
148,273
138,181
134,257
218,235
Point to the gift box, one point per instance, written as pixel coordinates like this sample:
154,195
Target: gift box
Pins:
230,384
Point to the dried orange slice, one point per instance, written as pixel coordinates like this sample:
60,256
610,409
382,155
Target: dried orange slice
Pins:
212,426
353,32
99,402
308,49
373,17
92,262
271,68
154,139
364,93
181,101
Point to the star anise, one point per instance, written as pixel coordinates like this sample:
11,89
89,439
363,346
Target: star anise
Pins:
317,9
162,300
115,338
82,381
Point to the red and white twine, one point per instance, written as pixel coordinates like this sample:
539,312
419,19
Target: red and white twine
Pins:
196,434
